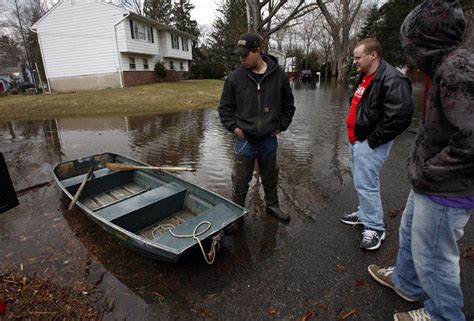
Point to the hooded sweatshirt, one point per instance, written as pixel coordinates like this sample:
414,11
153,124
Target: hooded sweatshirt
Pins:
259,107
442,161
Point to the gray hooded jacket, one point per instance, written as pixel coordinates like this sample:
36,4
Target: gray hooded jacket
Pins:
442,161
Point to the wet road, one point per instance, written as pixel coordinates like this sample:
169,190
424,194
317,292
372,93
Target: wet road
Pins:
268,271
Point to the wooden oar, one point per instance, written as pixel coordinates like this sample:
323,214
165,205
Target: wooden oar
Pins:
126,167
81,187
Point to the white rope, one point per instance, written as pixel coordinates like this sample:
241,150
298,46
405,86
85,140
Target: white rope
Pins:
209,257
162,228
240,151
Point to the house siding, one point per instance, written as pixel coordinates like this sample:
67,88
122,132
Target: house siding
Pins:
169,52
86,44
152,60
138,45
67,33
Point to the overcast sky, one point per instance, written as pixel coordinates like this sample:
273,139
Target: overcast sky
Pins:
204,11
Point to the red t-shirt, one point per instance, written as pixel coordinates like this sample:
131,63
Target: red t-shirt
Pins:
351,116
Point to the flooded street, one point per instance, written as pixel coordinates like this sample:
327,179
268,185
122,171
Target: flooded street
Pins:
267,271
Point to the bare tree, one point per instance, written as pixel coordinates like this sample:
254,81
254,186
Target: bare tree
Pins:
263,15
135,6
205,32
10,51
308,32
340,16
325,47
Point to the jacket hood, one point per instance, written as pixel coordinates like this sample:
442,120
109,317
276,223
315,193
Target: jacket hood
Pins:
272,63
430,31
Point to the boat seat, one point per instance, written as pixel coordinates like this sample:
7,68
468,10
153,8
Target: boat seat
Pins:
145,209
68,182
219,216
102,180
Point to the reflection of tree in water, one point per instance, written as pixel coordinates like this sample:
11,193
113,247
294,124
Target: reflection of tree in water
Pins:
23,129
11,130
169,138
34,151
52,137
30,129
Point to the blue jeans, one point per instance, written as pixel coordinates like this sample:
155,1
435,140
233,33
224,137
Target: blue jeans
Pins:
428,256
366,164
266,148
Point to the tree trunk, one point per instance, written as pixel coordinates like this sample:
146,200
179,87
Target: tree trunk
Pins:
341,70
333,67
326,71
339,29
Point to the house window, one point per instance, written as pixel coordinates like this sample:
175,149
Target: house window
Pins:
181,65
174,41
184,43
135,30
171,65
149,34
141,32
131,61
132,28
145,63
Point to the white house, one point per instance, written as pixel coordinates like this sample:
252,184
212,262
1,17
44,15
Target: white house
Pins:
92,44
280,56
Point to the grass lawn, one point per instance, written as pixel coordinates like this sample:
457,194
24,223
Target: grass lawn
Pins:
145,99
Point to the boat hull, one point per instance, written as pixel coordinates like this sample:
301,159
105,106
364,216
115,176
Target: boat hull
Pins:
150,212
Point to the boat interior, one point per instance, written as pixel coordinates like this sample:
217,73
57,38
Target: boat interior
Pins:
146,203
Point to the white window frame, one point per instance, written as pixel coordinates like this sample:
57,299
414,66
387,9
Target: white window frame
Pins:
131,63
185,44
174,41
171,65
149,34
141,32
181,65
145,64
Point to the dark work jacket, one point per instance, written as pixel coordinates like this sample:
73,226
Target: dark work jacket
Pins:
385,109
259,109
442,160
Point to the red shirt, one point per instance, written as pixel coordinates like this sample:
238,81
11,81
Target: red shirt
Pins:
351,116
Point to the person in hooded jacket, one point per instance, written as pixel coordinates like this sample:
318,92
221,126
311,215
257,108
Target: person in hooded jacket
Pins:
440,168
256,105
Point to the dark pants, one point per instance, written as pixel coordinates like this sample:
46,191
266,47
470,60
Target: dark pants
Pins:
264,152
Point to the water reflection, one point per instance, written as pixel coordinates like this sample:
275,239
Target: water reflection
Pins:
313,152
40,235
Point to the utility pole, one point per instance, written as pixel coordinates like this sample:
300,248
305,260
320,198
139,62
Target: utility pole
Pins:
30,65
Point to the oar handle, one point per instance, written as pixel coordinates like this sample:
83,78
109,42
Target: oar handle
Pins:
128,167
81,187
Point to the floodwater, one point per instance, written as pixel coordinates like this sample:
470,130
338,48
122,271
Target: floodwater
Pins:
268,270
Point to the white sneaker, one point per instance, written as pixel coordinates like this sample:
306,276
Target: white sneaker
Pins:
414,315
351,219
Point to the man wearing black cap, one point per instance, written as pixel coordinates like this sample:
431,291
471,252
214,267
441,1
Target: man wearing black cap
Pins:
256,105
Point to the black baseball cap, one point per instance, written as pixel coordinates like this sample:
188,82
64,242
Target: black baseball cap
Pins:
246,43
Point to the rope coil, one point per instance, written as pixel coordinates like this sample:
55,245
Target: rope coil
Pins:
209,257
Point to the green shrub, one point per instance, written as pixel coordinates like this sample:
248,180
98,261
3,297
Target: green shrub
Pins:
160,69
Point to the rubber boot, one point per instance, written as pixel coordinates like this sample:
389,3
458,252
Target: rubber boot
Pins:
269,173
241,177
